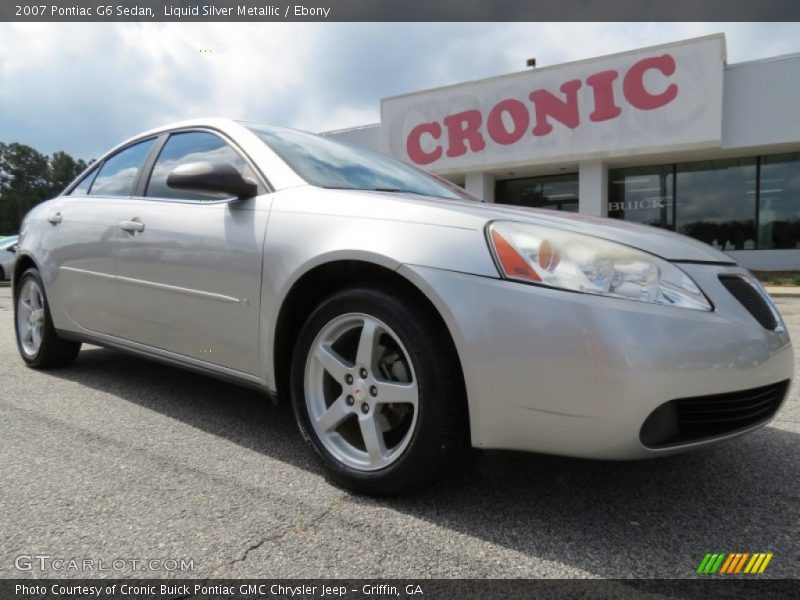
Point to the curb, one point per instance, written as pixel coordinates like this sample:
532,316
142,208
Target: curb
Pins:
789,291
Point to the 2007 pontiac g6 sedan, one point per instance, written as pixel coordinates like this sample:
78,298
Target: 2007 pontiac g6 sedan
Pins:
403,318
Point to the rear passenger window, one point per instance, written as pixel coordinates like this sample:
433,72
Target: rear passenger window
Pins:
118,173
189,147
83,187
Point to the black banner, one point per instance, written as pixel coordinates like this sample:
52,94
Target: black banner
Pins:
400,10
427,589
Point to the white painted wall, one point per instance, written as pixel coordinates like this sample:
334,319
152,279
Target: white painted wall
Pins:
368,136
690,118
767,260
760,103
593,189
480,184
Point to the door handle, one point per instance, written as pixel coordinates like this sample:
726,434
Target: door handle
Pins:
54,218
133,226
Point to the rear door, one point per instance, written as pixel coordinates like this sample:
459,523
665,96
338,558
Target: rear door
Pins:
84,228
190,278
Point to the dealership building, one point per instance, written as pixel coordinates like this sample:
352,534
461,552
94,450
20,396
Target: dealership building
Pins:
670,136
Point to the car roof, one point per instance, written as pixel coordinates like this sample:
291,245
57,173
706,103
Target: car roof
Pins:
223,124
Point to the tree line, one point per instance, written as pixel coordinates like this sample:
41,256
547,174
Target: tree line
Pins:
28,177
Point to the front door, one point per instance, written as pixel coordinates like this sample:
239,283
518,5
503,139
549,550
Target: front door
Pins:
189,264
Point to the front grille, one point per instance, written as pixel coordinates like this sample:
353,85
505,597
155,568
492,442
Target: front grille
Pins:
692,419
751,298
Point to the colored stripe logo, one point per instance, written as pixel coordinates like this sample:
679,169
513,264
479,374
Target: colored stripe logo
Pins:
734,563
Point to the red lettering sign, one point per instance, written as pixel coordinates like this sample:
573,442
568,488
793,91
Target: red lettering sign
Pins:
633,85
602,87
414,143
563,111
508,121
464,127
517,112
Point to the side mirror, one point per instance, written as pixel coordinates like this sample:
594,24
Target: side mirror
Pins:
215,178
12,249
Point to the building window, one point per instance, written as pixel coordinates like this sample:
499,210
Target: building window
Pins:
555,192
716,202
643,194
731,204
779,201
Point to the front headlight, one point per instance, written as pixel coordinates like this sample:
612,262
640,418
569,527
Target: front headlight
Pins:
584,263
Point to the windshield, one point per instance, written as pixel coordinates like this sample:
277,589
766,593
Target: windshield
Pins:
332,164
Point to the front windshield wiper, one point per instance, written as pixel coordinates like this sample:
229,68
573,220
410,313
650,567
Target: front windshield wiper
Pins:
389,190
399,191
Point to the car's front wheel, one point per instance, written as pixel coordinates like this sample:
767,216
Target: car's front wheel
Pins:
37,341
377,390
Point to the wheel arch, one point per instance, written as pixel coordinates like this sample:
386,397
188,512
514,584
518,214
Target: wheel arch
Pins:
320,282
23,263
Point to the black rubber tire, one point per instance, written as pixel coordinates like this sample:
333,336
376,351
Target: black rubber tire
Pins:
441,433
54,351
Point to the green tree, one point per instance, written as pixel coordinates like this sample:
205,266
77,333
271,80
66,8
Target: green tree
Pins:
28,177
63,169
23,182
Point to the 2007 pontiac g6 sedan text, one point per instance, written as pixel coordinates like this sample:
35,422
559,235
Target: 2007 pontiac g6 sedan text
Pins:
403,318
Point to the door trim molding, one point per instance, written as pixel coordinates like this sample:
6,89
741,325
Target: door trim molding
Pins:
158,286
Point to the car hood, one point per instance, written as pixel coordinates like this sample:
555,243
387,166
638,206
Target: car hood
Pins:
467,214
663,243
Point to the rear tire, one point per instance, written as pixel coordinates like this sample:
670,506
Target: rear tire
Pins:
37,340
377,390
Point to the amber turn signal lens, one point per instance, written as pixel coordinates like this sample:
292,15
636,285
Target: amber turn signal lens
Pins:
514,265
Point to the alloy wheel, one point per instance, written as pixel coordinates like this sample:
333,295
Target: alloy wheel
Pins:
361,392
30,317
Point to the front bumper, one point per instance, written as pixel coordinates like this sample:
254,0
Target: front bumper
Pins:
575,374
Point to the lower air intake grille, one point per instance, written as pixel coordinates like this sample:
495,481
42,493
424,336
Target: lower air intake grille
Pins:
751,298
692,419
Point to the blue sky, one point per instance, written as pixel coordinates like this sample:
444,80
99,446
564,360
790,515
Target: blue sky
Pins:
83,88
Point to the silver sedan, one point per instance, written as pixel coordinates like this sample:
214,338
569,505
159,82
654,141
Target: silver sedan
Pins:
402,318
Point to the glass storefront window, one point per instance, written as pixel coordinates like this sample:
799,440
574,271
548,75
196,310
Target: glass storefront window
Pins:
716,202
779,201
556,192
643,195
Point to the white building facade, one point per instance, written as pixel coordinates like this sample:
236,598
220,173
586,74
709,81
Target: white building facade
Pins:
670,136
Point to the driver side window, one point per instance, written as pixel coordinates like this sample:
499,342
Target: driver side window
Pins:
189,147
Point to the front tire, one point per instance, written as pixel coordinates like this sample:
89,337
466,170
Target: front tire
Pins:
37,341
377,390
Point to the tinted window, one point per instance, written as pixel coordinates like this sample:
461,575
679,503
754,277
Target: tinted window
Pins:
717,202
556,192
332,164
189,147
642,194
779,189
118,173
83,187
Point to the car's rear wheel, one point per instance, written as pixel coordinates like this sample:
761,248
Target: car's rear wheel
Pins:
377,390
37,341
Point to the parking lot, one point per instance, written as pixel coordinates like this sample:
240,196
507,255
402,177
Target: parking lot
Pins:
117,457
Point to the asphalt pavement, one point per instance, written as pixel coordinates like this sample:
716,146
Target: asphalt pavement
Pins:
120,458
